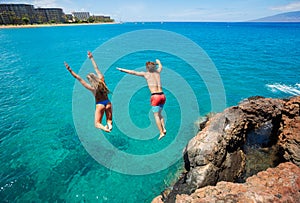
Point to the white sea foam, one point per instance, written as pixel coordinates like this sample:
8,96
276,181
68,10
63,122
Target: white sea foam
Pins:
288,89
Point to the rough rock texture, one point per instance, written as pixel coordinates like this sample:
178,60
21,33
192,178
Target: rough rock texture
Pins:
289,138
280,184
257,134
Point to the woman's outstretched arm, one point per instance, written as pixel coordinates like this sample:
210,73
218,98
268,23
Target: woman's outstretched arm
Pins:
100,75
85,84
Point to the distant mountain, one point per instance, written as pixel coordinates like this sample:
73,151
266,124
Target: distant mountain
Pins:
282,17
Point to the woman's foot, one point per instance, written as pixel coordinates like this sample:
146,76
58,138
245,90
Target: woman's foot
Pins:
104,128
109,125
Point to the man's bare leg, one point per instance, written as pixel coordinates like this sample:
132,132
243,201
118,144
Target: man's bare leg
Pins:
162,123
159,125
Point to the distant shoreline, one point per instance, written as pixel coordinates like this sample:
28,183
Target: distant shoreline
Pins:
80,24
51,25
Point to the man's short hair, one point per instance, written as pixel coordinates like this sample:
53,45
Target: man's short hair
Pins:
151,66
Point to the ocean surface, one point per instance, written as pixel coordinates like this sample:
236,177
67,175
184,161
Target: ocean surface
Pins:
43,157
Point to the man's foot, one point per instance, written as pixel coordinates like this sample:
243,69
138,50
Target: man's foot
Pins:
165,131
161,136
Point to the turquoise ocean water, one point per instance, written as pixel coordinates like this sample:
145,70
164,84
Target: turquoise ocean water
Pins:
42,158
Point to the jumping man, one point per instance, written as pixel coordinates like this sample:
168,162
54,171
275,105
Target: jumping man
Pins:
158,99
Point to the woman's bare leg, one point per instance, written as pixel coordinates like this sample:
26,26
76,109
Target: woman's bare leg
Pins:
108,113
100,109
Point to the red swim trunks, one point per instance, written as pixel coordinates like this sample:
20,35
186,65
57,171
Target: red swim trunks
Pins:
158,99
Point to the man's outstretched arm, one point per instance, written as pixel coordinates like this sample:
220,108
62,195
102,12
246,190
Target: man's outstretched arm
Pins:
132,72
159,65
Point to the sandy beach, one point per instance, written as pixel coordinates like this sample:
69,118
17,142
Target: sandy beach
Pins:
51,25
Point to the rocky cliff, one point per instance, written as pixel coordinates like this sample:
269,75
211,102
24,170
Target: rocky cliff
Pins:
225,159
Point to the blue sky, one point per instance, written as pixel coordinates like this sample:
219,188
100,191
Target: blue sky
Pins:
173,10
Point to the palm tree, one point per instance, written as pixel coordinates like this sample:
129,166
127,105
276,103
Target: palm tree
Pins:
25,20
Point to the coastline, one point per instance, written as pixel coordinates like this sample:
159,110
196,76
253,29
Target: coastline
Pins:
79,24
51,25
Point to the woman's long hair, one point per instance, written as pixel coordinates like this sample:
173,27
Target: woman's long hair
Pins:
98,84
102,87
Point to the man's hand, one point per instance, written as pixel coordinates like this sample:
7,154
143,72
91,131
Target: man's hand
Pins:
158,61
159,65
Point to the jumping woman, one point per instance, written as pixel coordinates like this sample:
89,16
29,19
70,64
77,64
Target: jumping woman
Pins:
100,91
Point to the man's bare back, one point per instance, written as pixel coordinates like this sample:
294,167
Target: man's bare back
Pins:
153,80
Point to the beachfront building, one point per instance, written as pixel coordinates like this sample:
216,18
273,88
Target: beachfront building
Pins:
50,15
102,19
80,16
17,14
27,14
69,18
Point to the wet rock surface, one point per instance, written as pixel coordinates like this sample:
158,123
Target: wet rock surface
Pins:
258,134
